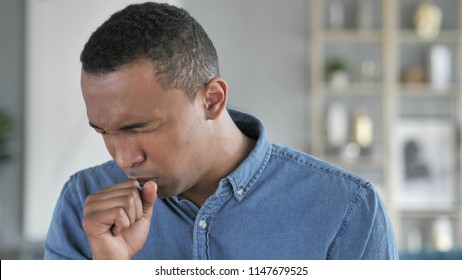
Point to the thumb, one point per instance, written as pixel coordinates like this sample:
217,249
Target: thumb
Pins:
149,196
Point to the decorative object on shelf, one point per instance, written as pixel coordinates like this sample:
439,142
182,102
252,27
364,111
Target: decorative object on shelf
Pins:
440,67
427,20
337,125
362,129
361,134
337,14
369,70
5,128
352,150
426,164
414,75
337,73
443,234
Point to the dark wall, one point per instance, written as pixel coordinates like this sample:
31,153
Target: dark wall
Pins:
12,26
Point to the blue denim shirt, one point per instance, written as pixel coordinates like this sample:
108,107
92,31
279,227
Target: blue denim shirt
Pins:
278,204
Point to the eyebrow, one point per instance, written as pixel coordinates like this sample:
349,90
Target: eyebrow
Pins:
125,127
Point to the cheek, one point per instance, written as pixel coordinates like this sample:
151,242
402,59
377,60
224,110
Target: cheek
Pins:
176,149
195,142
156,148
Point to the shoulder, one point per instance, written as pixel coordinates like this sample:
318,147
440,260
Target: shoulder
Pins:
312,176
310,166
102,172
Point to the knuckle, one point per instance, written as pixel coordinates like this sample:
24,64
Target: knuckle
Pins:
120,213
121,218
129,200
88,199
87,223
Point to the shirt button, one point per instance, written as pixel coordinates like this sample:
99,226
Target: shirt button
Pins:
240,191
202,224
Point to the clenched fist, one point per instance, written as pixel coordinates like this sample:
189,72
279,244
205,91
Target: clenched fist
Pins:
117,219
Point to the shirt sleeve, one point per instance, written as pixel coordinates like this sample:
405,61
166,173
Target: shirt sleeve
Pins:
366,232
65,238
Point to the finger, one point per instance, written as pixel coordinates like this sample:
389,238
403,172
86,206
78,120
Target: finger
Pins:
121,185
113,191
128,198
149,196
113,220
121,221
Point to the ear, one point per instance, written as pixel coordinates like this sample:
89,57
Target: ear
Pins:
214,98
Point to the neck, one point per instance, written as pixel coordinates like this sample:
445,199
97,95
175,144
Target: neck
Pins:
231,148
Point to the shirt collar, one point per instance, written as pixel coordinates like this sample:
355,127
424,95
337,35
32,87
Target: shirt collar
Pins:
243,178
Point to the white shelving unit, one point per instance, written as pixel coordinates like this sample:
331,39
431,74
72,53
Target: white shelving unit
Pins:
391,43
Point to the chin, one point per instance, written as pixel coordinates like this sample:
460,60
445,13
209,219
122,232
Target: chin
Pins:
162,193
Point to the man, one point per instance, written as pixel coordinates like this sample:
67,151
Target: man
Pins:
191,179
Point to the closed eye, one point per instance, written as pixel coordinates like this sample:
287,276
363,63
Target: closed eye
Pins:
96,128
139,127
134,126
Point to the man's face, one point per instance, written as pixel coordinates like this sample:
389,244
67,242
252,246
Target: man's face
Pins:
149,132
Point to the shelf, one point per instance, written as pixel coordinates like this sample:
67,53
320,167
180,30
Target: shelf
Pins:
429,214
426,90
359,163
355,89
353,36
396,48
444,37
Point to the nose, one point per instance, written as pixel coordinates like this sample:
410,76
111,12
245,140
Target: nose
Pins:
125,151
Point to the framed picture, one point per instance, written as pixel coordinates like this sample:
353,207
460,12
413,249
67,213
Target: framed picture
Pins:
426,167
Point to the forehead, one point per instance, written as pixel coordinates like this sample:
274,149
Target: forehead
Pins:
131,93
141,73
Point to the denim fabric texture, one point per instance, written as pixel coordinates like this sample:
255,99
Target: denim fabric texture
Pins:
278,204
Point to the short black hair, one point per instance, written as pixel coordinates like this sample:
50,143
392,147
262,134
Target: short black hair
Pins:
181,51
